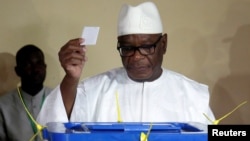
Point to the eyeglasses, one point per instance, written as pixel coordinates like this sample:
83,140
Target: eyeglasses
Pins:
127,51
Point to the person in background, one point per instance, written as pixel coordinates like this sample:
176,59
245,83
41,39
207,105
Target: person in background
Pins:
140,91
15,123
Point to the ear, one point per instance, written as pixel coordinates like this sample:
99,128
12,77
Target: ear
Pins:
165,42
18,71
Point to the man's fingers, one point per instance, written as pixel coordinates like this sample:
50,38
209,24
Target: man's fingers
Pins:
75,42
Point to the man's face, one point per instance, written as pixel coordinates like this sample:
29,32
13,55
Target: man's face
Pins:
32,70
142,55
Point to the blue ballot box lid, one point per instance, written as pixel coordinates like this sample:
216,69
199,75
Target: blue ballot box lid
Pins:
124,131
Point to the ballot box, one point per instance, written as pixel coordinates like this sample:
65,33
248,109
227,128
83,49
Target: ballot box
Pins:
125,131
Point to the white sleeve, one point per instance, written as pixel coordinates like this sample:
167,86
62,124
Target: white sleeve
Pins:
79,111
53,109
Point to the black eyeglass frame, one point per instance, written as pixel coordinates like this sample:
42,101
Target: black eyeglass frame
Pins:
133,48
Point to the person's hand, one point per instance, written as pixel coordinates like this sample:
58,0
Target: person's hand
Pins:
72,57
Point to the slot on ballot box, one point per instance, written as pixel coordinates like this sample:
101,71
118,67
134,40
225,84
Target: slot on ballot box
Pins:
124,131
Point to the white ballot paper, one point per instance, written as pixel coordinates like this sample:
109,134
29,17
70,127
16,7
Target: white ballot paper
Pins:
90,34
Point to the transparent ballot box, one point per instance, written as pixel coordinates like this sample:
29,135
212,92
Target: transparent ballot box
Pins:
125,131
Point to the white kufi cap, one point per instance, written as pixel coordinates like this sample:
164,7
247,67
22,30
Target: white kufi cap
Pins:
141,19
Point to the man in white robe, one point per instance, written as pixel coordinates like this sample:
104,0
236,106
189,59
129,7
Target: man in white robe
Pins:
141,91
